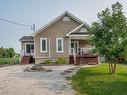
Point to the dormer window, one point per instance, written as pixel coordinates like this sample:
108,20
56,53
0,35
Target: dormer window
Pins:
83,30
66,18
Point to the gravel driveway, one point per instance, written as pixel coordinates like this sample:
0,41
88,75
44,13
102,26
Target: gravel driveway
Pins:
13,81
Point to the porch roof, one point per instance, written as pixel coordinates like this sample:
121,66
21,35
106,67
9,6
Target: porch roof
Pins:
27,38
79,37
78,31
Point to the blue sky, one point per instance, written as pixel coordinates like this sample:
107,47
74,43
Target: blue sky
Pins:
40,12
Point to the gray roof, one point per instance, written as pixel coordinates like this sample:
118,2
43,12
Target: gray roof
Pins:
27,38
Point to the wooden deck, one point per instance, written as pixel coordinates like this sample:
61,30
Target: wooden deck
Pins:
84,59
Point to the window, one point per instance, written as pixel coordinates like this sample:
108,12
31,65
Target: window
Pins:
43,44
29,48
59,44
83,30
66,18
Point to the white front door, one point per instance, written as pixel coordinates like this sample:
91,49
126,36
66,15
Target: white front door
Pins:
74,47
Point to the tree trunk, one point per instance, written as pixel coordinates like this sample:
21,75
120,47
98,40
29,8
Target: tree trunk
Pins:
112,67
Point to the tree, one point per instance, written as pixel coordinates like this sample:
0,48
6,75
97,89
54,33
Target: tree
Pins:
11,52
110,39
7,52
1,52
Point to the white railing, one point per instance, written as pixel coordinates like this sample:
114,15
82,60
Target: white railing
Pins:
23,53
81,51
86,50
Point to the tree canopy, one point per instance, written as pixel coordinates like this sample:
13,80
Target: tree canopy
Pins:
110,38
7,52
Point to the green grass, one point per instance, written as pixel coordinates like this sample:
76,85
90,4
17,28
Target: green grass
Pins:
98,81
9,61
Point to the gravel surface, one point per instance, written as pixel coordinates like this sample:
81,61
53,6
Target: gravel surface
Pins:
13,81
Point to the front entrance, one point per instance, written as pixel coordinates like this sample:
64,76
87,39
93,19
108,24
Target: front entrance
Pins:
74,47
29,49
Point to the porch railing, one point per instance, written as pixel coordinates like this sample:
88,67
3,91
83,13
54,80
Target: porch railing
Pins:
23,53
81,51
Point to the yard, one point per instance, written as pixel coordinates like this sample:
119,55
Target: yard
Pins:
98,81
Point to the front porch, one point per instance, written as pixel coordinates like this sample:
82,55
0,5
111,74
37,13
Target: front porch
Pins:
27,53
79,47
81,52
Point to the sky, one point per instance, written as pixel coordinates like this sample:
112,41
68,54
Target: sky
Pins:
40,12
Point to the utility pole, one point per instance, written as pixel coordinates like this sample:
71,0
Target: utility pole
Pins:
33,27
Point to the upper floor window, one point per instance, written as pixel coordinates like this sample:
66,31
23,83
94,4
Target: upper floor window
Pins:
66,18
59,44
43,44
83,30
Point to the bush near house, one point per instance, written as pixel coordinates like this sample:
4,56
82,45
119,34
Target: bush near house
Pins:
47,62
59,60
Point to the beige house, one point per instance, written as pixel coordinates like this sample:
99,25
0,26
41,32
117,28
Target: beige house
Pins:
63,36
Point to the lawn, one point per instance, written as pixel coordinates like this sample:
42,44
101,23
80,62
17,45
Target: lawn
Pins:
98,81
9,60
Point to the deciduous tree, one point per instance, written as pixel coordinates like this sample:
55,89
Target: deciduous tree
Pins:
110,39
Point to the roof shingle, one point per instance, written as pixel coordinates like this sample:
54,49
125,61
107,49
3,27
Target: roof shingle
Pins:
27,38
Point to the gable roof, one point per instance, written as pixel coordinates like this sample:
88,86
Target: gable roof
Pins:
27,38
78,28
58,18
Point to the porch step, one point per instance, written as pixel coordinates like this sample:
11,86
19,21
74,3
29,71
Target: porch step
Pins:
27,60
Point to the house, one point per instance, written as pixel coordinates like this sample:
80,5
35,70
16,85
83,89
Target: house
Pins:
63,36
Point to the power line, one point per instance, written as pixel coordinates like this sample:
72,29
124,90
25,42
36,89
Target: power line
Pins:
32,27
14,22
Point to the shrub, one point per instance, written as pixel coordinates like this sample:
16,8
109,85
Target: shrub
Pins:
47,62
9,60
61,60
7,52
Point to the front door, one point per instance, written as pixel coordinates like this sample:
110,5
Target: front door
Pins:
29,49
74,47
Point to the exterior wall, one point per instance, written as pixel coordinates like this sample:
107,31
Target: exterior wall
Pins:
40,60
84,44
58,29
85,47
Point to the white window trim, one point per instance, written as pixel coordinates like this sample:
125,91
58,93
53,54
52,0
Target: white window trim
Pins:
49,47
25,47
41,44
59,38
